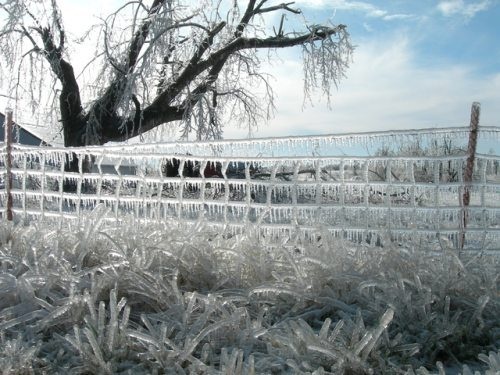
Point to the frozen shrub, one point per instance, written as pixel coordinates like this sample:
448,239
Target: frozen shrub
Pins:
97,297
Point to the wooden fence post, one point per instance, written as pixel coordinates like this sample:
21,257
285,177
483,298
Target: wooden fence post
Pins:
469,168
8,162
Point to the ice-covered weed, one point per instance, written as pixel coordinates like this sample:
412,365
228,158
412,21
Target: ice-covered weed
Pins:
18,355
94,297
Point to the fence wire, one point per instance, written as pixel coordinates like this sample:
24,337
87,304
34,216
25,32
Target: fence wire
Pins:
411,200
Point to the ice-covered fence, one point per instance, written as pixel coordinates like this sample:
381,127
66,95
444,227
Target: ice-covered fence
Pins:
279,185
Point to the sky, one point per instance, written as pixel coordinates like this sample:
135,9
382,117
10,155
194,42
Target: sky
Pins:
417,64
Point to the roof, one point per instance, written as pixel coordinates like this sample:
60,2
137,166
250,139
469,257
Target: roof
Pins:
20,134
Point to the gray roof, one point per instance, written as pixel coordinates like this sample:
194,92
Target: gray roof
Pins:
19,134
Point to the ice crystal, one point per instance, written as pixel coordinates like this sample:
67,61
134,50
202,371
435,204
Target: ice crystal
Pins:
170,297
409,198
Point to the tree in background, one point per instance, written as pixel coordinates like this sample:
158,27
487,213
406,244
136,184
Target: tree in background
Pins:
423,173
182,62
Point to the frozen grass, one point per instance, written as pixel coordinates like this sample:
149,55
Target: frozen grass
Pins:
167,298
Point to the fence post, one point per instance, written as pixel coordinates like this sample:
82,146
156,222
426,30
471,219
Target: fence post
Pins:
469,168
8,162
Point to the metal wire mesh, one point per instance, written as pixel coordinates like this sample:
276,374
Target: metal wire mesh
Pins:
362,198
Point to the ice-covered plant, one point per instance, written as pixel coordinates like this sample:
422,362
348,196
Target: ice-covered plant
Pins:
18,355
103,297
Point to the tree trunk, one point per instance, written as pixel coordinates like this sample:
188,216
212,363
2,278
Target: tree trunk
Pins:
73,122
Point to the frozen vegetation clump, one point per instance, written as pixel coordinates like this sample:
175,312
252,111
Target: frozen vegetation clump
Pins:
100,298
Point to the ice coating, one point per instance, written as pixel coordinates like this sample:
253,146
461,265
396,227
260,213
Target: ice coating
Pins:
278,184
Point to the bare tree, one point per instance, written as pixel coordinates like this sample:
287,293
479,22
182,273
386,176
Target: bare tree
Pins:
163,61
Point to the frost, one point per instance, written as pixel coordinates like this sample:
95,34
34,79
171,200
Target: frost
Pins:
400,199
244,264
106,297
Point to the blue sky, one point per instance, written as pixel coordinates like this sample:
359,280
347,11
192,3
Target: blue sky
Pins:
441,33
417,64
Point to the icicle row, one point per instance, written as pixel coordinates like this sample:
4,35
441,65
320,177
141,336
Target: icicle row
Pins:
353,197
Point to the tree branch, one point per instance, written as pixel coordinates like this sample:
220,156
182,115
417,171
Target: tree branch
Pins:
284,6
161,109
141,35
192,71
104,109
207,42
249,13
69,100
57,20
143,121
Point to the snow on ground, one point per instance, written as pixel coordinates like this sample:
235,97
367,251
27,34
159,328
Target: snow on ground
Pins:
175,298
